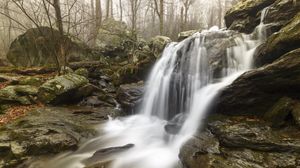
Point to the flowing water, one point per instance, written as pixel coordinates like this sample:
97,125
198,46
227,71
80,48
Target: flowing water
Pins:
181,89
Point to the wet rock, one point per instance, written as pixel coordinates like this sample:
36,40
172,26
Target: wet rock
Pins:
18,93
47,131
245,15
61,88
241,142
286,40
130,96
194,152
158,44
255,92
102,154
281,12
37,47
255,135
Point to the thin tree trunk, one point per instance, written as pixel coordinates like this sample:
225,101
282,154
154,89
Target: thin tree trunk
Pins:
121,10
107,8
56,5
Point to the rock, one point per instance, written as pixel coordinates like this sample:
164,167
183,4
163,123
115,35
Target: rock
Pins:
286,40
65,70
279,112
158,44
296,113
245,16
130,96
241,142
36,47
193,152
255,135
255,92
102,154
112,38
186,34
18,93
61,89
281,12
30,80
47,131
83,72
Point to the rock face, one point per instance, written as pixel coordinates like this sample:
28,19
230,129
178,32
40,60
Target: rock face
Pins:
130,96
242,142
287,39
246,14
255,92
48,131
36,47
61,88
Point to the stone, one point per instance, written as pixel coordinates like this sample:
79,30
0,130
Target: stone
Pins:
157,44
83,72
18,93
278,114
186,34
244,16
61,88
37,47
48,131
30,80
130,96
296,113
286,40
256,91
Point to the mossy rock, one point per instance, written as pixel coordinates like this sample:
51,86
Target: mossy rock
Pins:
286,40
30,80
18,93
60,89
82,72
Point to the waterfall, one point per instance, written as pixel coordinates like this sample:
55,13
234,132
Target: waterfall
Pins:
181,89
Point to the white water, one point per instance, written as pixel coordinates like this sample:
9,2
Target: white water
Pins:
181,81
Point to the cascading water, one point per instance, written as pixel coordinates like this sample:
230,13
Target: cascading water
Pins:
181,86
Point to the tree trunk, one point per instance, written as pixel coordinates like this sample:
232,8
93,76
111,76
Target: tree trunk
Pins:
121,10
59,23
161,17
107,8
98,14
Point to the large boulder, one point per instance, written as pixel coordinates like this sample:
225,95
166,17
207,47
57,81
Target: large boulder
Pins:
245,16
255,92
241,142
113,37
38,47
287,39
61,89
